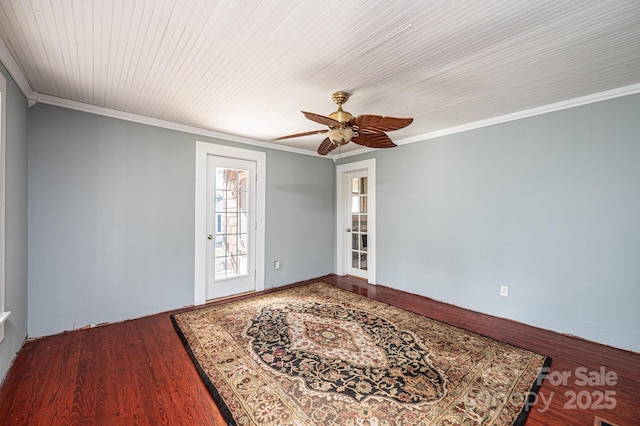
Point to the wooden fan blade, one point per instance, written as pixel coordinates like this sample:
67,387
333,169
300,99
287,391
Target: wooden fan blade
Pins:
321,119
297,135
369,124
326,147
375,140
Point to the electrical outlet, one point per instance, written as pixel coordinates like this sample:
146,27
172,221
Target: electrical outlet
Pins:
504,290
276,264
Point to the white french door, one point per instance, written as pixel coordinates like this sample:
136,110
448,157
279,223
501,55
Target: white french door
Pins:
356,219
231,219
357,222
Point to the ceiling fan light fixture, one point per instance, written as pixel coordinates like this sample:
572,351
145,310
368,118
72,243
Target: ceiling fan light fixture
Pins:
366,130
340,136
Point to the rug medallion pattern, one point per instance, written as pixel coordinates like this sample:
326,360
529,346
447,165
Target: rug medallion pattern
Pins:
318,355
345,351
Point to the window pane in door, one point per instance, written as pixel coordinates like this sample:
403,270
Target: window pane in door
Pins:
242,262
243,203
243,243
355,204
242,176
363,261
243,223
363,204
219,251
363,223
363,185
230,221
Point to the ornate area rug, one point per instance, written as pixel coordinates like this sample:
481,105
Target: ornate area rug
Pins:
319,355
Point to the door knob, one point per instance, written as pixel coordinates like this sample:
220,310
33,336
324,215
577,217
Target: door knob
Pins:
210,237
348,229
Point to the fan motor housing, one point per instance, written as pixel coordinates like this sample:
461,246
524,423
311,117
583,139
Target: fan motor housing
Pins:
341,116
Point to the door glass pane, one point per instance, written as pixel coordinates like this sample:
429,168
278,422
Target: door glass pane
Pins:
232,224
244,223
243,201
363,261
243,184
355,204
363,185
354,242
354,223
242,262
363,223
355,256
363,204
243,243
231,242
363,242
220,266
354,186
231,266
219,251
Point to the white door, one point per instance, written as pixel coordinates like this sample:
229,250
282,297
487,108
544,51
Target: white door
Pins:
357,219
231,205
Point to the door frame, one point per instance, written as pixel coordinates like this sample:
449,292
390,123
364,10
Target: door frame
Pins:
342,203
204,149
3,182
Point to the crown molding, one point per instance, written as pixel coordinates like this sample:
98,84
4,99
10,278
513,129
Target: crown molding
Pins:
112,113
15,71
558,106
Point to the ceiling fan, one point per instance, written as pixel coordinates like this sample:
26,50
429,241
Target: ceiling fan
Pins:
365,130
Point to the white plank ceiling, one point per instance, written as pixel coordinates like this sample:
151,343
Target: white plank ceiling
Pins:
248,68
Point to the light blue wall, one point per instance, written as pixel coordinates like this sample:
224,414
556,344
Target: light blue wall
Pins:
300,217
548,205
15,224
111,219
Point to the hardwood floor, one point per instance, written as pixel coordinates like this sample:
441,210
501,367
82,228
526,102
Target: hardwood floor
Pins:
134,372
138,372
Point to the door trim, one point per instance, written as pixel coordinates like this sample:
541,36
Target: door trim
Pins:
3,190
341,206
203,149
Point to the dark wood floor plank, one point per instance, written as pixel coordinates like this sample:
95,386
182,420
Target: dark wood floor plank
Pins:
61,386
138,372
24,384
110,405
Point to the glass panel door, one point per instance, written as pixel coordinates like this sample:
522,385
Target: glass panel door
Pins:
358,193
230,215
